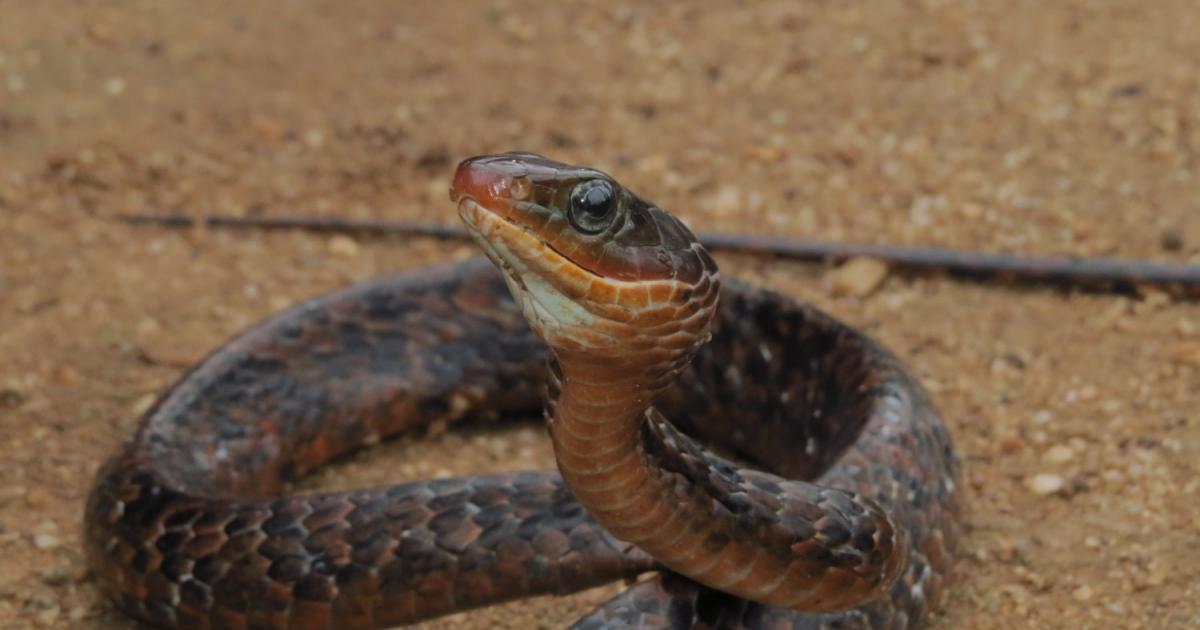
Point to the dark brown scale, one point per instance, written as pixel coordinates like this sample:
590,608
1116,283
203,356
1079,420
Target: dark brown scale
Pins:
182,529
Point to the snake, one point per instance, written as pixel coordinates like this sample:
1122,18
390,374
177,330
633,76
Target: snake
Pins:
739,458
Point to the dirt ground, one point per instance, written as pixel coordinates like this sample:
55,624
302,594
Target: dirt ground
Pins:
1070,127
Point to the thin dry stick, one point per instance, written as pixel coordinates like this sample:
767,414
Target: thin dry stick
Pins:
1089,274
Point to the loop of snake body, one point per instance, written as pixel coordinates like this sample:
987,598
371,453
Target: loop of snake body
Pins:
833,503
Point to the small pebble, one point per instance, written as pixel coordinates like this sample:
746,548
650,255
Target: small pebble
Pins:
342,245
764,153
1185,354
37,498
148,326
1156,574
1012,444
142,405
100,33
858,277
1058,454
67,375
56,576
519,29
45,541
49,617
1113,476
114,86
727,200
1171,241
10,398
1083,593
269,130
1036,580
1044,484
314,138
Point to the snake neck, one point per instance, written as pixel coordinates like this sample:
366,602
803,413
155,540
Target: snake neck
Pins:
596,413
744,532
602,386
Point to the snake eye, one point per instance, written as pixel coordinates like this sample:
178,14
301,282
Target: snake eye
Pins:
592,206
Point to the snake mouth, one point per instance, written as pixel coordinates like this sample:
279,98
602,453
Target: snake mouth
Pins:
512,245
479,222
551,289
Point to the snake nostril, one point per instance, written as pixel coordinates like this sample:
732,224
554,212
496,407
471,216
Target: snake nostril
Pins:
499,188
519,188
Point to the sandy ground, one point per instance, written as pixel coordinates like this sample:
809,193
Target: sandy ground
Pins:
1069,127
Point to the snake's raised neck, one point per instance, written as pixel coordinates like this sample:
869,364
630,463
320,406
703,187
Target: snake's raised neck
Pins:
624,295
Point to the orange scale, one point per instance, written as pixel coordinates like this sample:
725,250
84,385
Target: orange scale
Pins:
634,296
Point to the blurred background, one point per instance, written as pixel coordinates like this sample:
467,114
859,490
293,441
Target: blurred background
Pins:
1070,127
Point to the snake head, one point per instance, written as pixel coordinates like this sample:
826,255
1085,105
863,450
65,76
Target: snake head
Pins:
596,269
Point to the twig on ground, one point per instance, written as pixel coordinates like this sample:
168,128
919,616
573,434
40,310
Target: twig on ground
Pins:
1088,274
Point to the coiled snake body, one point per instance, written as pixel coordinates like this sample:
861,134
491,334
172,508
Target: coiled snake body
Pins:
834,504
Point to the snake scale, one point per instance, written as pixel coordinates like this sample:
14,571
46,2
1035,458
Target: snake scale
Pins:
833,502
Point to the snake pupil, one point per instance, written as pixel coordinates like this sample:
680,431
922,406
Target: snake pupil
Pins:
591,207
